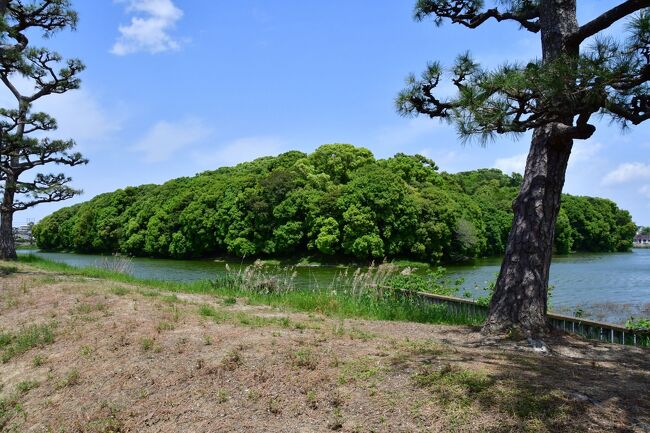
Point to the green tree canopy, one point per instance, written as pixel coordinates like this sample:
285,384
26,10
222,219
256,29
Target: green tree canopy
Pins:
289,205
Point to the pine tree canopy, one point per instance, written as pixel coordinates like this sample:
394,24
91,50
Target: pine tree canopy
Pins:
22,145
596,75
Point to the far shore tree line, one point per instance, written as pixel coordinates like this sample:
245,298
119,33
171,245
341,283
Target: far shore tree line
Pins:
337,202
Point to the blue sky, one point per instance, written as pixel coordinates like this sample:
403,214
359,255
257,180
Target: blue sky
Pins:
175,87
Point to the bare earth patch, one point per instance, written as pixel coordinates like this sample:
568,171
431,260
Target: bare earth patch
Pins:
131,359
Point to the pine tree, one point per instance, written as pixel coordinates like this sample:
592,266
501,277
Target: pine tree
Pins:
582,74
22,147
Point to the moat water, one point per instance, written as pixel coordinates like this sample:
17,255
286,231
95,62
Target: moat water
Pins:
610,287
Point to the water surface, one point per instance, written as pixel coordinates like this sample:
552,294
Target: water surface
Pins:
611,287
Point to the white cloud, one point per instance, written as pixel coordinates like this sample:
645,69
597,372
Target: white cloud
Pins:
166,138
80,114
627,172
82,117
584,150
240,150
645,191
512,164
149,31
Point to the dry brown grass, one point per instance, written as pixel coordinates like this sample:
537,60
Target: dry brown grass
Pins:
124,359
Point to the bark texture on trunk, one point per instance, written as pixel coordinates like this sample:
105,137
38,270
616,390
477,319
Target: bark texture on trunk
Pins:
7,242
520,298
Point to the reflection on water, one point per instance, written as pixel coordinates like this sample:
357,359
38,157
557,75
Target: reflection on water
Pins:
610,287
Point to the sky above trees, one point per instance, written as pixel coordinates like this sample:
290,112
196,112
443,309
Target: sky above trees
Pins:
176,87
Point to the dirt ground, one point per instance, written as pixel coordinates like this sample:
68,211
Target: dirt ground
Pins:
84,355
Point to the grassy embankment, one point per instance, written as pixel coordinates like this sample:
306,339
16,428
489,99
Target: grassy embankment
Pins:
90,351
353,297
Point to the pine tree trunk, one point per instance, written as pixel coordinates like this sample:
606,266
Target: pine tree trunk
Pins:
7,243
520,298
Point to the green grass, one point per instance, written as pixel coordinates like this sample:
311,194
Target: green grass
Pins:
450,376
147,344
71,378
245,319
361,370
120,291
7,270
16,344
304,358
332,303
26,386
402,263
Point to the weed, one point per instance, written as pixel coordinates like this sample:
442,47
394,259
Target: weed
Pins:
231,360
405,350
336,422
453,383
252,395
360,334
38,360
86,308
164,326
108,424
222,396
120,291
117,264
5,339
175,313
9,407
26,339
86,351
71,378
360,370
304,358
218,316
339,329
207,340
274,405
229,300
26,386
312,400
170,299
146,343
299,325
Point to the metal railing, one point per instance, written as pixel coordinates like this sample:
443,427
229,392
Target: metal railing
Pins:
589,329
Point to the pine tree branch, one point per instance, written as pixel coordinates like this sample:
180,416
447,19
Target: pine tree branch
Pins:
56,195
636,112
14,91
466,13
607,19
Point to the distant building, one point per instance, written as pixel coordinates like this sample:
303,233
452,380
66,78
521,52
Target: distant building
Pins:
641,241
23,234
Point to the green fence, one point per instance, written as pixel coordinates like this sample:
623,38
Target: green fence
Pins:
589,329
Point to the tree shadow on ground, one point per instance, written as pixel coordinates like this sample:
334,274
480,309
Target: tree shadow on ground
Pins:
576,386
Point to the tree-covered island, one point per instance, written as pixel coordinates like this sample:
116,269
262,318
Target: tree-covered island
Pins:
338,202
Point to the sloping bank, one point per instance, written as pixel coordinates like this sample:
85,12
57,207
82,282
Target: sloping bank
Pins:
86,354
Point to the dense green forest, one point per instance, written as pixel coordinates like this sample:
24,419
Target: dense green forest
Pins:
337,202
